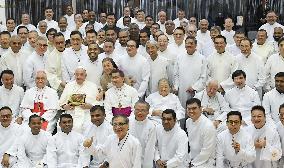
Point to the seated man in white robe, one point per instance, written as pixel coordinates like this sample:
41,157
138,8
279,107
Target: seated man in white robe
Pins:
193,63
32,145
266,140
9,133
235,147
11,95
242,97
214,106
53,66
65,149
145,131
274,98
36,62
280,129
121,149
41,100
97,129
72,57
121,98
78,97
162,100
159,66
136,67
172,144
201,136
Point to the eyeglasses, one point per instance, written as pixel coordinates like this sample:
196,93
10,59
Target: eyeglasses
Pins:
42,45
118,124
231,122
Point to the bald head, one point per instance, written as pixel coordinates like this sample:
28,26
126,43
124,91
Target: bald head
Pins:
15,43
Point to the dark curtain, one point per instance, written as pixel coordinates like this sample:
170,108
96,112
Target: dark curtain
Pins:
197,8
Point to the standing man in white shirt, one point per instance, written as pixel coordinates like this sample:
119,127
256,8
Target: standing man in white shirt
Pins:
274,98
280,129
221,64
235,147
136,67
25,19
162,16
271,19
5,37
144,130
181,18
72,57
190,62
178,45
277,34
201,136
36,62
172,143
14,59
70,18
48,13
228,32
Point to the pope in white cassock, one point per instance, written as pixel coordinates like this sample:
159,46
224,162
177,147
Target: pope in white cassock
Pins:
136,67
162,100
190,71
242,97
36,62
266,140
274,98
145,131
280,129
78,97
31,146
221,64
9,133
65,149
121,98
121,149
201,136
11,95
172,144
53,66
98,129
41,100
214,106
159,66
274,64
235,147
72,57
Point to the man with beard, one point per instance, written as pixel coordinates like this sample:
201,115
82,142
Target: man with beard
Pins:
123,37
65,149
93,65
53,67
277,34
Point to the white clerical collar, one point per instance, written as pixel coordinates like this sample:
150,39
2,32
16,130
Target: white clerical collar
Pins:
122,87
8,90
241,89
141,122
220,54
173,129
191,55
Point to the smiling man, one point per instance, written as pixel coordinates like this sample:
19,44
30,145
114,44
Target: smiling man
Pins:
266,139
97,132
172,144
145,131
66,149
32,145
201,136
235,146
121,149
